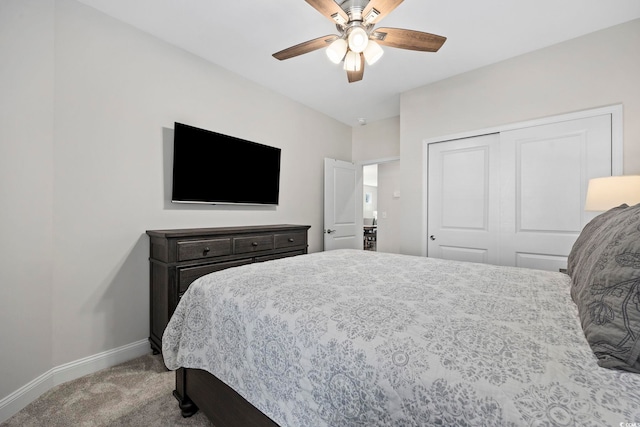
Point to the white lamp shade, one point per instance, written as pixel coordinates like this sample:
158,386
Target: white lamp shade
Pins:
611,191
352,61
373,52
358,39
336,50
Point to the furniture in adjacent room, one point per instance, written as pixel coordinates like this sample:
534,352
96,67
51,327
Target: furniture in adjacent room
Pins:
180,256
370,237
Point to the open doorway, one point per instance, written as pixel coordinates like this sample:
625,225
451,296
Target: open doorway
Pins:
381,205
370,206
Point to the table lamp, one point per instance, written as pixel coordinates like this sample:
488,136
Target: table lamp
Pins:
611,191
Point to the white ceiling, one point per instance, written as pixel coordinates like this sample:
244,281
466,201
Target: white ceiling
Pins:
242,35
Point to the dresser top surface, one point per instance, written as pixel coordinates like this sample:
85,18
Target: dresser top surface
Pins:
189,232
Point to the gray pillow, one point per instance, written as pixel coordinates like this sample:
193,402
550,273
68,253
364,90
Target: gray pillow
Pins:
584,244
606,289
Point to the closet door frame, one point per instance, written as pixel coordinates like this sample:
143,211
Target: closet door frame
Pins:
616,112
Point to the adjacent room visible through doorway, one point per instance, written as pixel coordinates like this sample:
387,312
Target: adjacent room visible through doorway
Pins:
381,205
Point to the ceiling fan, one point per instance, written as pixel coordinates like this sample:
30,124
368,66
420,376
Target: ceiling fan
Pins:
357,40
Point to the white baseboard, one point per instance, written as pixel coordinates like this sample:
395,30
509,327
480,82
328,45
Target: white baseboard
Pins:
26,394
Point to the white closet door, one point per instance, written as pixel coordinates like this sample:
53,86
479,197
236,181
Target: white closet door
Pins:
515,197
463,199
545,171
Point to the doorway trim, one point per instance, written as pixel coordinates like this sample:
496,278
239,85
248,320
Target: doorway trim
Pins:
377,161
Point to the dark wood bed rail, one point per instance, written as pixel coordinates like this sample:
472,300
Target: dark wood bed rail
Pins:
198,389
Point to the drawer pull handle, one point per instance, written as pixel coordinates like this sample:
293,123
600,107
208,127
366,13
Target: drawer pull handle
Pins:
254,244
291,239
206,249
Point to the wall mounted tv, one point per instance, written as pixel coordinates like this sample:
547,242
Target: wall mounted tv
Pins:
212,168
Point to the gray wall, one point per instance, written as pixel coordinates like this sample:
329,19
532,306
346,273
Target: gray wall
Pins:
377,140
389,207
26,190
85,152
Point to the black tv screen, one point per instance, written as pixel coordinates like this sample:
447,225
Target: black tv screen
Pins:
212,168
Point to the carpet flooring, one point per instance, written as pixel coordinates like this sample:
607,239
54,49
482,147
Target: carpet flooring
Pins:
135,393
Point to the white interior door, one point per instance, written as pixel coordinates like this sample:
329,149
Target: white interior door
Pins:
342,205
548,169
462,199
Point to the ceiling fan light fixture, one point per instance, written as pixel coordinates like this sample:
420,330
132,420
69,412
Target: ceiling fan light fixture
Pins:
337,50
352,61
372,52
358,39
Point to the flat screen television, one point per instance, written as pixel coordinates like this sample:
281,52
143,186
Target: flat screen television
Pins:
212,168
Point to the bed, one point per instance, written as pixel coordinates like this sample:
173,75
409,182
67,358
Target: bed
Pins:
360,338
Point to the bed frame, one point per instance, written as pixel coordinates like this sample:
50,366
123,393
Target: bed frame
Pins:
198,389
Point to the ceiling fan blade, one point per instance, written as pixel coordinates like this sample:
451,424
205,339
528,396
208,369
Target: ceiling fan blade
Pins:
356,76
382,7
328,8
305,47
408,39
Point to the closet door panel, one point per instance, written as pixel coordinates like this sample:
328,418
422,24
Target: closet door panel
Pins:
462,199
464,188
548,183
541,262
542,202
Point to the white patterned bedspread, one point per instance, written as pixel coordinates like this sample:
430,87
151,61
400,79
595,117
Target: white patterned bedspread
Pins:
357,338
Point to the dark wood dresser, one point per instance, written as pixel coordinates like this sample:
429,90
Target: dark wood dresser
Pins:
178,257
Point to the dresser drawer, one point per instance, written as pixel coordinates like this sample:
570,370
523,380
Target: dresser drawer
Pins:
287,240
197,249
243,245
280,255
187,275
